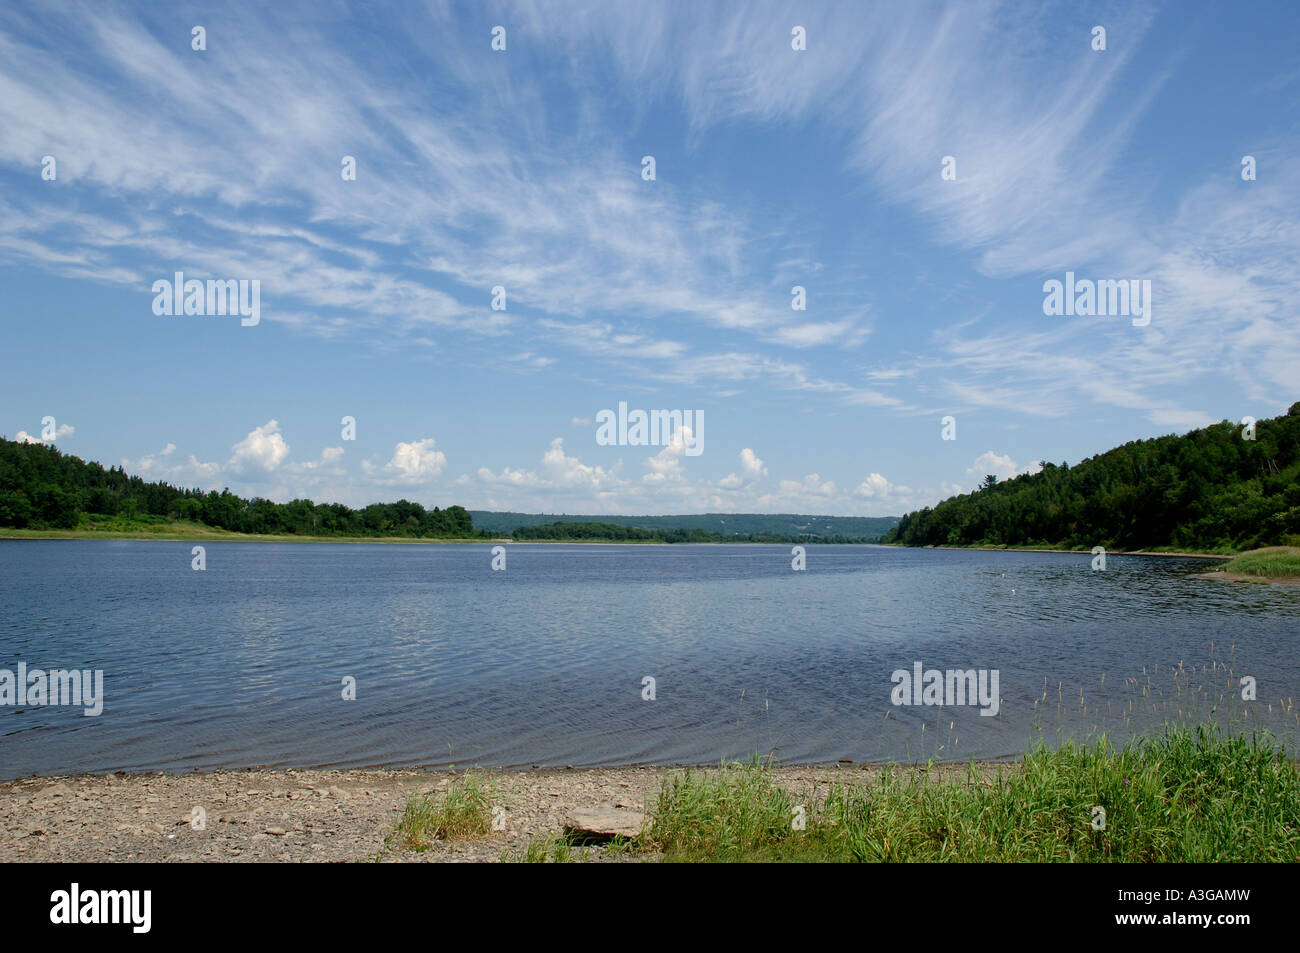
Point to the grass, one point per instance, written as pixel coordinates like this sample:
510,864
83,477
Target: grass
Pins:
1273,562
1193,795
463,810
557,848
552,849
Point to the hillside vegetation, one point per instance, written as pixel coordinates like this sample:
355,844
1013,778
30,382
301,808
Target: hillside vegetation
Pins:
46,492
42,488
610,532
1211,489
782,525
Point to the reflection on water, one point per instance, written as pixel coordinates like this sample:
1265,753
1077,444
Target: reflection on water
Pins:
542,664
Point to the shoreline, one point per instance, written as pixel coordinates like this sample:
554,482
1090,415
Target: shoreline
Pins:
337,815
222,537
73,534
1075,552
1223,576
218,537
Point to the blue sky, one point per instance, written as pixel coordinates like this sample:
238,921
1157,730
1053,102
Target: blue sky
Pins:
523,168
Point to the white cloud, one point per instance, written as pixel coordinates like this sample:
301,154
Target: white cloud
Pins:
751,469
330,458
811,485
558,471
159,466
260,453
1000,465
874,485
666,465
64,430
750,465
414,462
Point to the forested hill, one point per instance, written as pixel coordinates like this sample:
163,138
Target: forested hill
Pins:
722,524
1208,489
614,533
42,488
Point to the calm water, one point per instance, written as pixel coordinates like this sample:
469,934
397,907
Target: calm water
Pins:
243,664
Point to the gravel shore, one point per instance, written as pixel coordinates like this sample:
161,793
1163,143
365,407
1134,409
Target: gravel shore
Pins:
320,815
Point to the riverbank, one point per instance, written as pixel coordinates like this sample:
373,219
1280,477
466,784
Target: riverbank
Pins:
318,815
201,534
208,534
1189,795
1272,564
1077,552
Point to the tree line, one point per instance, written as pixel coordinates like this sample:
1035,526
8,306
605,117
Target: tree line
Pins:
43,488
1213,488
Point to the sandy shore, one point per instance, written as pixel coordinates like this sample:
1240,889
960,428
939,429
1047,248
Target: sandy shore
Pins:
334,816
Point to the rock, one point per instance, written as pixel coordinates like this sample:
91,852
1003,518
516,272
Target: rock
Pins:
274,831
586,826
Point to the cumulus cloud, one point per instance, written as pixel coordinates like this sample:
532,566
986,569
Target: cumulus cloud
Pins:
558,470
65,430
1000,465
261,452
159,466
875,486
751,468
330,458
666,465
415,462
812,484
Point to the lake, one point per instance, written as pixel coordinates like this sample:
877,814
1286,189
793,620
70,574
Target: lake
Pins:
245,663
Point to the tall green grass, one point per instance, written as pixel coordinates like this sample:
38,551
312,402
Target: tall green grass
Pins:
463,810
1272,562
1192,795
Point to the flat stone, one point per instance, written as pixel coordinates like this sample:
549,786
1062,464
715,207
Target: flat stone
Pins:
601,824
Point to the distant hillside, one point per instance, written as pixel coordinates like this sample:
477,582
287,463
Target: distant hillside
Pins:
745,524
611,533
1210,489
